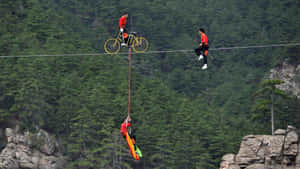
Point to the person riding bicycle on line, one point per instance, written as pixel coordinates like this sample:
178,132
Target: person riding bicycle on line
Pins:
122,26
203,49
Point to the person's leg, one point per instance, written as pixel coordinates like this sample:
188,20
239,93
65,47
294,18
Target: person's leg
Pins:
205,56
205,59
122,37
133,139
198,51
132,136
126,35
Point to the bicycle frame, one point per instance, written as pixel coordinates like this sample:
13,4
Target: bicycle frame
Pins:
131,37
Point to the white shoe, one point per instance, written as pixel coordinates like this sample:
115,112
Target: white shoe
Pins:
200,57
204,67
123,44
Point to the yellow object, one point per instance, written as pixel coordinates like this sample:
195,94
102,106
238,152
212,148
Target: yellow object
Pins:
140,45
131,147
112,46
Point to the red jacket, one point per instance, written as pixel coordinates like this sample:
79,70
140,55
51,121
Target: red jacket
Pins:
124,127
204,39
122,22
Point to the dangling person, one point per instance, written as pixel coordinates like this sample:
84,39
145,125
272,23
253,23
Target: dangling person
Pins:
203,49
124,129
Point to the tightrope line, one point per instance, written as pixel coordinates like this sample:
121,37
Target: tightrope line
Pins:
156,52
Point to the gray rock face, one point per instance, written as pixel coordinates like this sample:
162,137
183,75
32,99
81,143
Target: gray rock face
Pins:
280,132
291,144
49,145
298,161
8,163
266,152
248,150
256,166
289,74
228,160
233,166
31,151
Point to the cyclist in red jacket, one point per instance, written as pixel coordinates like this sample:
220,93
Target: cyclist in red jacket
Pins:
203,49
122,26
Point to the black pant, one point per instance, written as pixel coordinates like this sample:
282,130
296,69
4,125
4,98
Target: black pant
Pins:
124,31
202,50
132,136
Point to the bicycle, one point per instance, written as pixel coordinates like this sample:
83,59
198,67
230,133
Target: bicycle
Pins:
139,44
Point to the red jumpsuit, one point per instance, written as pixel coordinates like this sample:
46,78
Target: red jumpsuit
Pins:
204,39
124,128
204,42
122,24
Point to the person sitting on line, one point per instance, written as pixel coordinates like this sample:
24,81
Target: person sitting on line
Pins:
203,49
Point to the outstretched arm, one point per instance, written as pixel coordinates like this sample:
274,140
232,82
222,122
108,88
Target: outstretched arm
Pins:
128,119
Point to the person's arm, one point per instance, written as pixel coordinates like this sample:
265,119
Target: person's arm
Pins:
202,41
128,121
128,125
121,24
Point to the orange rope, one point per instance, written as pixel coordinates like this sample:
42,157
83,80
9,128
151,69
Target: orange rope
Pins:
129,79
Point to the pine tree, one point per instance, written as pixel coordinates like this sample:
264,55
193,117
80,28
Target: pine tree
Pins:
269,93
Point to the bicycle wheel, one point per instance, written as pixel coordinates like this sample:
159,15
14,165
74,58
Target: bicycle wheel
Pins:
140,45
112,46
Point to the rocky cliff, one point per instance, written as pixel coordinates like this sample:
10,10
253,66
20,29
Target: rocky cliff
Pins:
30,151
281,151
290,74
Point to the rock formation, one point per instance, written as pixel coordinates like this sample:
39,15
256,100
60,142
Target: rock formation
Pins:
290,74
31,151
281,151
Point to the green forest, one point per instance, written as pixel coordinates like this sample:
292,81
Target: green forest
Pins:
183,117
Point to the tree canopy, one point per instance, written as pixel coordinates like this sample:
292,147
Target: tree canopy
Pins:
183,117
